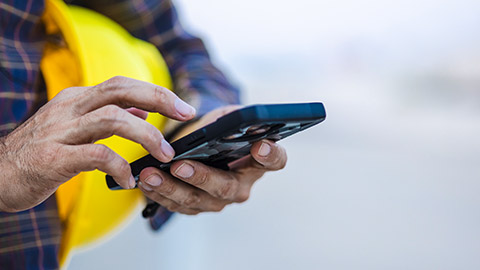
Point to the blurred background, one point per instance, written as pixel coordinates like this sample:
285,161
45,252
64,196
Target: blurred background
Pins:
389,181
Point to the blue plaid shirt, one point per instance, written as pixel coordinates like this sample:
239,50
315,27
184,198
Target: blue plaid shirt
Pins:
30,239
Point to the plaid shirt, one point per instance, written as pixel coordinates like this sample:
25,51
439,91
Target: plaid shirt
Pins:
30,239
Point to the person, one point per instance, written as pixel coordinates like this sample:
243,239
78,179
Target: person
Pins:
44,144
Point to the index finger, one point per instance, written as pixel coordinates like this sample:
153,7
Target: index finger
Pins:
126,92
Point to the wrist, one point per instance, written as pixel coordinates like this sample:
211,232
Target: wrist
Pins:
10,190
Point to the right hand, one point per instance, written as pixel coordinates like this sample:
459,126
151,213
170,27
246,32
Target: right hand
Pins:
56,143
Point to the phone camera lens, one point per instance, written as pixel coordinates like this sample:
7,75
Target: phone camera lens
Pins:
257,129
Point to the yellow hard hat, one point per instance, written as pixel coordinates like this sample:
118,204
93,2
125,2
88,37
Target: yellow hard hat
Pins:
96,49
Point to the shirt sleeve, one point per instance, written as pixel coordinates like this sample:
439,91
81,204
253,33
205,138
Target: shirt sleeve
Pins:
195,78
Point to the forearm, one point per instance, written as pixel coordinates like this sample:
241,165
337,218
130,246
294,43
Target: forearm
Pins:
6,176
3,175
20,188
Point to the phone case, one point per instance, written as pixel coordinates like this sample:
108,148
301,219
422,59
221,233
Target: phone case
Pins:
231,136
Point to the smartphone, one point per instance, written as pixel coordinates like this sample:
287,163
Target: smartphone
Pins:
231,136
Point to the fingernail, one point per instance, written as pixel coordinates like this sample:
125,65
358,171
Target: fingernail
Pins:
145,186
264,150
183,108
167,149
154,180
131,182
185,171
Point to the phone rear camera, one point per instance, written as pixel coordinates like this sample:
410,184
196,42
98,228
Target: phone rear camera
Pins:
252,132
233,136
257,129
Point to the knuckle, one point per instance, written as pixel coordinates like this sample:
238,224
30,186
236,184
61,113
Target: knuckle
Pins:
167,188
100,153
200,179
115,81
228,190
218,207
192,213
124,167
68,95
192,200
111,112
156,198
113,87
152,135
86,120
65,92
160,95
279,161
173,207
111,117
242,196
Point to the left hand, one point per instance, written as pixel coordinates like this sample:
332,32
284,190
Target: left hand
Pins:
192,187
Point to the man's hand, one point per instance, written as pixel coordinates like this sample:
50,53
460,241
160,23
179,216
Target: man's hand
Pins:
193,187
56,143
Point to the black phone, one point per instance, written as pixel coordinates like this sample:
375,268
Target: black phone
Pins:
231,136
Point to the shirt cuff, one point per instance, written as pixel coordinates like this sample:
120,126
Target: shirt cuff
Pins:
160,218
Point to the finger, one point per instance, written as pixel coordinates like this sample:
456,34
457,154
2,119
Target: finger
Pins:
127,92
219,183
89,157
112,120
185,195
138,113
268,155
167,203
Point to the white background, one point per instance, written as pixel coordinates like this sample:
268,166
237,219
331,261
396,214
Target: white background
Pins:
389,181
